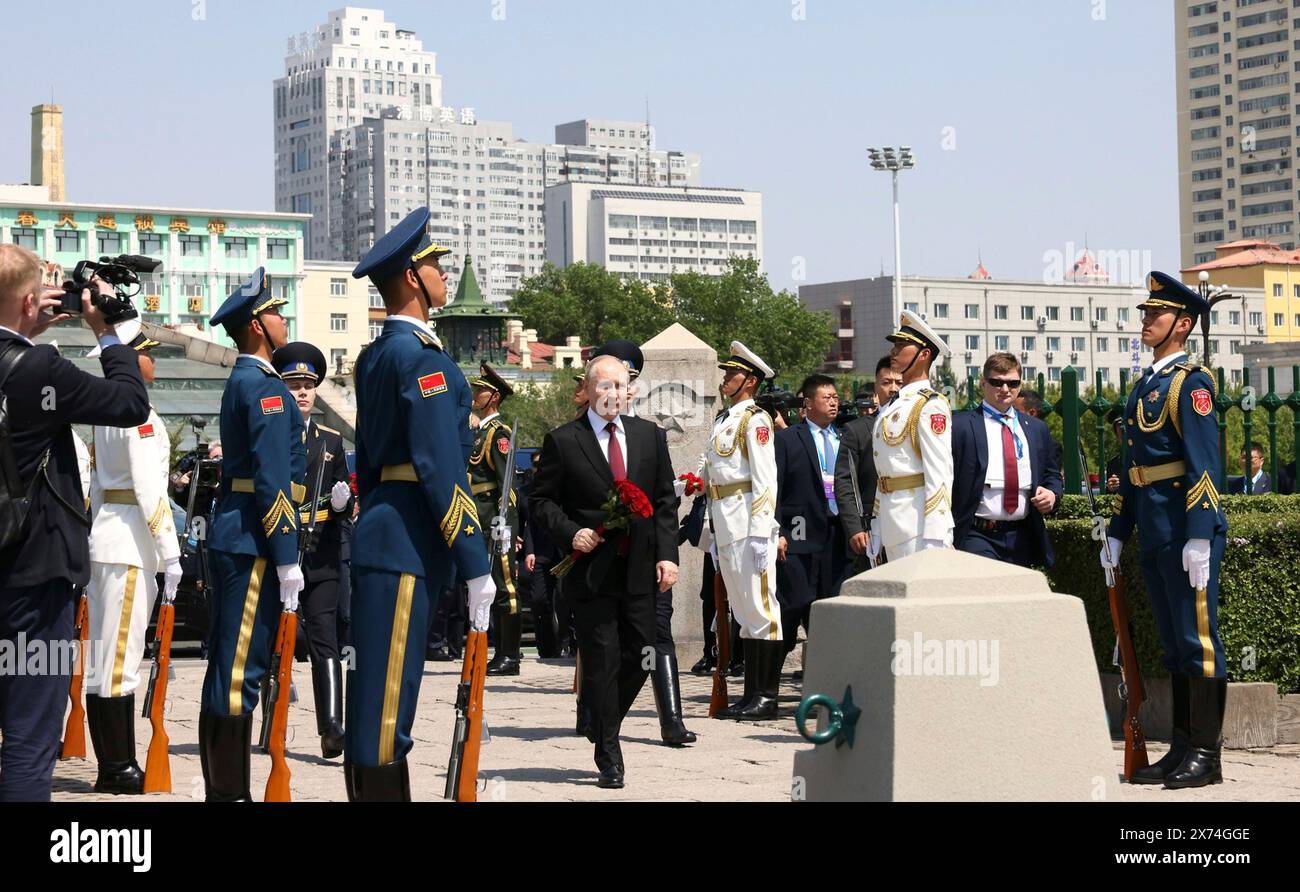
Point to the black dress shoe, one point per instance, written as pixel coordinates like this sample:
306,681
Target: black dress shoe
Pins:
503,665
736,670
703,667
611,778
438,654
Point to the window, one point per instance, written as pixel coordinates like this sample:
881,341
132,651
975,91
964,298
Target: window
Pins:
191,245
972,342
1001,343
1122,314
1053,344
65,240
25,238
1027,343
941,311
1277,289
1103,345
1234,317
1123,344
277,249
1076,314
1078,345
236,248
1028,373
376,299
1026,313
108,243
376,328
1054,374
1100,314
1000,311
151,243
1279,319
338,321
622,221
338,287
1257,318
972,311
1053,314
1105,375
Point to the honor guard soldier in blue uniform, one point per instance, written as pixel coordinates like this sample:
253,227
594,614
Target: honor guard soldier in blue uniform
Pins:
418,521
1168,492
487,467
253,540
302,366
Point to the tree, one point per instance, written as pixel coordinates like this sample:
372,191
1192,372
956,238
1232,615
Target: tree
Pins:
541,406
589,301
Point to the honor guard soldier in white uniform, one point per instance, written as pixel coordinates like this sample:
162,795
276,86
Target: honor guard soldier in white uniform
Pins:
912,445
739,473
132,539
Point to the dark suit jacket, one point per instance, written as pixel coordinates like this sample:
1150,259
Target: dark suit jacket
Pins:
799,492
970,453
573,481
326,558
46,395
537,538
855,446
1237,485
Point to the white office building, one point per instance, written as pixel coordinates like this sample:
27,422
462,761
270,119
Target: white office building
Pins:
649,233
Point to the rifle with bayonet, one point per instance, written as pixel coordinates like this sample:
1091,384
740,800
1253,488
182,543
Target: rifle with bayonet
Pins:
74,735
158,769
1131,689
280,674
467,734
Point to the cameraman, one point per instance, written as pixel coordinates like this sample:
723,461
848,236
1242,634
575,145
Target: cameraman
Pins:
184,467
46,395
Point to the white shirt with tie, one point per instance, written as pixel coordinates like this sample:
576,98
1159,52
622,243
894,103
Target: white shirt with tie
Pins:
819,437
598,427
990,507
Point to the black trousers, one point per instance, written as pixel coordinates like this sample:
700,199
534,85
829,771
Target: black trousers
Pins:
32,705
1012,545
615,633
448,626
319,603
543,594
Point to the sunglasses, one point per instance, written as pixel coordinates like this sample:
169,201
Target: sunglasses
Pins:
1010,383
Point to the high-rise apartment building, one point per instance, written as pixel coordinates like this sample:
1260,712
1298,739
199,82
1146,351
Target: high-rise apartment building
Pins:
356,65
1237,116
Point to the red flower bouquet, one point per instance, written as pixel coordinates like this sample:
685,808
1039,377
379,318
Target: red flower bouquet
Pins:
693,484
625,503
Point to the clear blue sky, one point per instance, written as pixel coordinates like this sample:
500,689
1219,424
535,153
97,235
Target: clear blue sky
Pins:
1063,110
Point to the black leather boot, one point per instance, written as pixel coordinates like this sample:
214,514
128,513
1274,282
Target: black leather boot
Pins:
327,685
383,783
1181,739
1201,765
668,701
738,653
750,665
112,734
767,681
225,743
506,660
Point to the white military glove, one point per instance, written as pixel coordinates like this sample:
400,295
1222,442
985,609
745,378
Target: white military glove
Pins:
171,579
1196,561
873,539
927,544
339,495
291,584
1110,555
482,592
758,549
679,487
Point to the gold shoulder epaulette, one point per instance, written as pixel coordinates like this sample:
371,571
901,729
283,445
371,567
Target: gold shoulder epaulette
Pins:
427,339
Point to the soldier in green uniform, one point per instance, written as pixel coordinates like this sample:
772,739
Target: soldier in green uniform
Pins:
487,468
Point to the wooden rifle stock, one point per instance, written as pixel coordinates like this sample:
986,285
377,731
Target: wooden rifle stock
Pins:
722,634
74,735
286,638
473,672
1132,691
157,767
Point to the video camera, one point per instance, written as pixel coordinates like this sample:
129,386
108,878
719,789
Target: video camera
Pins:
864,405
778,402
120,272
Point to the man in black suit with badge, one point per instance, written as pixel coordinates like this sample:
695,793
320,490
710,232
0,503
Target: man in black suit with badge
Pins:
613,583
49,557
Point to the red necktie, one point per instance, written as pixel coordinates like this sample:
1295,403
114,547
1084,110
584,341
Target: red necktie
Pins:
615,453
1010,470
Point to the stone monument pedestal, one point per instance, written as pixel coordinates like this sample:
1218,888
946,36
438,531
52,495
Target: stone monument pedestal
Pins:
975,683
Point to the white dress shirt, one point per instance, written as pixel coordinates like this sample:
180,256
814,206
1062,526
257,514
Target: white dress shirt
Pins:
990,507
827,461
1160,364
598,425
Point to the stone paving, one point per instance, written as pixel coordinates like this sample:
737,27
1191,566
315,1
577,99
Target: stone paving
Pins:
533,754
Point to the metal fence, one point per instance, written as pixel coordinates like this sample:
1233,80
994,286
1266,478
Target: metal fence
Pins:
1074,411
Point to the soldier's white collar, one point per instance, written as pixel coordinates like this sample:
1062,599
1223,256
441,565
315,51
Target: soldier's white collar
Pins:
262,362
424,326
1167,361
740,406
484,421
913,387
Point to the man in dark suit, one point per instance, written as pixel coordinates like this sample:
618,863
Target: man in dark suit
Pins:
551,621
1260,482
45,396
612,585
855,458
1005,474
811,551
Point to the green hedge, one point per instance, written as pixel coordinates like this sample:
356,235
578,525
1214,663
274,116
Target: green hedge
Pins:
1259,589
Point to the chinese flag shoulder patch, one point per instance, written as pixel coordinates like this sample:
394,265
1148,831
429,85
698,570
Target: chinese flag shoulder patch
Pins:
503,445
1202,402
938,423
764,434
432,385
145,430
272,405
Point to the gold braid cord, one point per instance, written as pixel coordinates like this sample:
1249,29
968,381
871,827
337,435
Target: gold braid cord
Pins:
740,435
462,508
280,508
1203,490
159,515
911,430
1117,506
764,504
1171,402
938,500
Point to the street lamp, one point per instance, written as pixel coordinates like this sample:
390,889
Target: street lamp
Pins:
887,159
